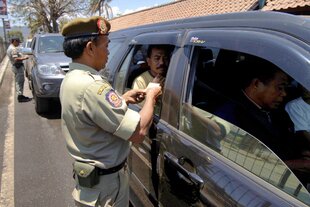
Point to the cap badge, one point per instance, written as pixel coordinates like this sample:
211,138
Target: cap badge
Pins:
101,26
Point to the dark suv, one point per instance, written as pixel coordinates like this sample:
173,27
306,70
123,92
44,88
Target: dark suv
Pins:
46,68
182,162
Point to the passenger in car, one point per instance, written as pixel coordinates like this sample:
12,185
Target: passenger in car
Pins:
256,108
299,112
158,61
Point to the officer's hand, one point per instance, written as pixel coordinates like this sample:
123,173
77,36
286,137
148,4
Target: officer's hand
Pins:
159,79
153,91
134,96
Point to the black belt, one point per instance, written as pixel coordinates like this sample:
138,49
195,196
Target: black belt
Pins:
111,170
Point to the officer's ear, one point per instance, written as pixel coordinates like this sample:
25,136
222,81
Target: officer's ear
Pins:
90,48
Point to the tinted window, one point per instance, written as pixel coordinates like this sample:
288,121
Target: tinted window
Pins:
216,79
114,46
120,77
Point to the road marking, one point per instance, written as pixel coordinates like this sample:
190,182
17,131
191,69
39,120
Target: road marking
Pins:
7,178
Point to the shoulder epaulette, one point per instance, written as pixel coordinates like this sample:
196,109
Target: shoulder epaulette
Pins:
95,77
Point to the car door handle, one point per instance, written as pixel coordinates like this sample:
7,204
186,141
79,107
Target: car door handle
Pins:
173,161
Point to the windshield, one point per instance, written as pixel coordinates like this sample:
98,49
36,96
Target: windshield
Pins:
50,44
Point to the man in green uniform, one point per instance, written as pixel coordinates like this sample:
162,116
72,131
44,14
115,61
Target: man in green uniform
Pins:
16,59
97,124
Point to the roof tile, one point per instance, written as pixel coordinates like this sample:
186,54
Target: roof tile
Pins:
284,4
181,9
193,8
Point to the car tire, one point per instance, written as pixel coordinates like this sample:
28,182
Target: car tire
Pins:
41,104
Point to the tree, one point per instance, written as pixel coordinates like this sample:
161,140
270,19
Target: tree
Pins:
44,15
102,7
15,33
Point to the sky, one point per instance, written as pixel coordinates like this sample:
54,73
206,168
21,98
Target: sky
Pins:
128,6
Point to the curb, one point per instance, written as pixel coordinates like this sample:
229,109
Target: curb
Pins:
3,67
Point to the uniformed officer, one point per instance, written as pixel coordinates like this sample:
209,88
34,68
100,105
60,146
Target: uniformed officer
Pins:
97,124
16,59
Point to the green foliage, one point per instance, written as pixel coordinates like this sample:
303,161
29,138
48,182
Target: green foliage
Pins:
43,15
101,7
15,33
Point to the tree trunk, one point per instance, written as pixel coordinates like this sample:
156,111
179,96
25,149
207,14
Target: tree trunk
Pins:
55,25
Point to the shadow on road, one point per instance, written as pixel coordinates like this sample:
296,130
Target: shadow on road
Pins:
54,110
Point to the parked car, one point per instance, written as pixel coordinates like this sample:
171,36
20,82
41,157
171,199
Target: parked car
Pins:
181,163
28,43
46,68
26,50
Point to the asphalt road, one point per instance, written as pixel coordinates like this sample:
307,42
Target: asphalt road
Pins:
35,168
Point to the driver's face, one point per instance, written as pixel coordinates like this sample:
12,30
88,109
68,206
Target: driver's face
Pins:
158,62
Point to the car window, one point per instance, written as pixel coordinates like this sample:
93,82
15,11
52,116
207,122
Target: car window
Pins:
283,52
120,77
135,65
216,81
114,47
50,44
33,43
28,43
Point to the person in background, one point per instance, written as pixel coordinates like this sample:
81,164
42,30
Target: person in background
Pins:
299,112
16,59
256,108
97,124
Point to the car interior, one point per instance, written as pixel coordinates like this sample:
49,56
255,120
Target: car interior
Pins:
218,79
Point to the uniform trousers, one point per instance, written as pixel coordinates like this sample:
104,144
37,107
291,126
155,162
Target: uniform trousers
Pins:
19,79
112,190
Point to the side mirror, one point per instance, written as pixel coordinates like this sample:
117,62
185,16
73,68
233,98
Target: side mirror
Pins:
26,51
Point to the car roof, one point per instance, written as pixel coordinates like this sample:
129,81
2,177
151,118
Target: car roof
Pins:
286,23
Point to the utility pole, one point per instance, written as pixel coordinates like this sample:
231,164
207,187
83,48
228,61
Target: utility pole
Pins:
4,31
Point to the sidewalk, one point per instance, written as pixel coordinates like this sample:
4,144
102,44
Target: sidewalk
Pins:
3,68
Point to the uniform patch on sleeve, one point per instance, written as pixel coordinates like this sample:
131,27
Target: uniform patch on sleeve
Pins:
113,99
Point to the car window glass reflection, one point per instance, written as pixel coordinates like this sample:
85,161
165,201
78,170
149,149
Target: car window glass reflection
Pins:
241,148
253,151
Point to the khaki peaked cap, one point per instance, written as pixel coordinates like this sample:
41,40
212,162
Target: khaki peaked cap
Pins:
84,27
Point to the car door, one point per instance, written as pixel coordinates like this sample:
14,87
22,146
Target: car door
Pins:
204,160
142,160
